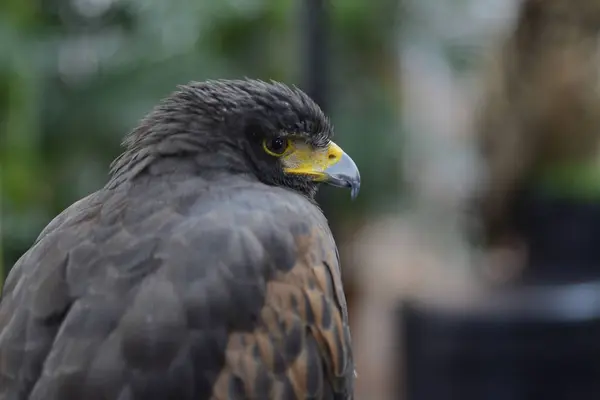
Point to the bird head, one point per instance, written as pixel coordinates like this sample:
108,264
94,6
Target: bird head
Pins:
274,132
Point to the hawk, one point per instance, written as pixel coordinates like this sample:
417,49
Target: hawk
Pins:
203,269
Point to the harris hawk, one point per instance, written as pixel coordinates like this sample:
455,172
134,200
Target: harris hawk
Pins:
203,269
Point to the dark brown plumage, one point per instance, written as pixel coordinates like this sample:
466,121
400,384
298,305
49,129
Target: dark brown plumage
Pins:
203,270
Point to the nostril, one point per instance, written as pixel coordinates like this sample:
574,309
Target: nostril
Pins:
332,156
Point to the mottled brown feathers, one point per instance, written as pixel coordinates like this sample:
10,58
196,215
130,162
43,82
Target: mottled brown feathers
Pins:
300,324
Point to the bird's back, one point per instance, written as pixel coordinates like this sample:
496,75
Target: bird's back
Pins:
178,290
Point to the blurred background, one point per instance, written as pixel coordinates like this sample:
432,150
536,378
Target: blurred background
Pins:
469,258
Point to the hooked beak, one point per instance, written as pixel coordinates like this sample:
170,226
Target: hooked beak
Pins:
330,165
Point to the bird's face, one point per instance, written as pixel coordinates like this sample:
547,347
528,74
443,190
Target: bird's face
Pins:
299,158
301,162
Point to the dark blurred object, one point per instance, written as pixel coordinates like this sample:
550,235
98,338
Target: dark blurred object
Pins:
536,343
561,235
316,52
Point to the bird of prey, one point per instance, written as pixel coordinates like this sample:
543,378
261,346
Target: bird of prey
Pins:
203,269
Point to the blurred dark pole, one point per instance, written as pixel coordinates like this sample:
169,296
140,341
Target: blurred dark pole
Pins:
315,49
316,52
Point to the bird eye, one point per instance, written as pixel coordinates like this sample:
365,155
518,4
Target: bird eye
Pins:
276,147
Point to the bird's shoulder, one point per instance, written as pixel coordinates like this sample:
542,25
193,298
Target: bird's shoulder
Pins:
302,333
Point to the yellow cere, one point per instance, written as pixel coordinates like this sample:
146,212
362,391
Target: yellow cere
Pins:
305,160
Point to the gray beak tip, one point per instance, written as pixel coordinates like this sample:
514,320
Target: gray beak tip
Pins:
345,174
355,188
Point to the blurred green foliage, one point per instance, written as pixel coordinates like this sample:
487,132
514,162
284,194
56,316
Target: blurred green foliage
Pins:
76,75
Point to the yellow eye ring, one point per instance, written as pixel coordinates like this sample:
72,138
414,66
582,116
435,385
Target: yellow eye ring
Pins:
276,147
